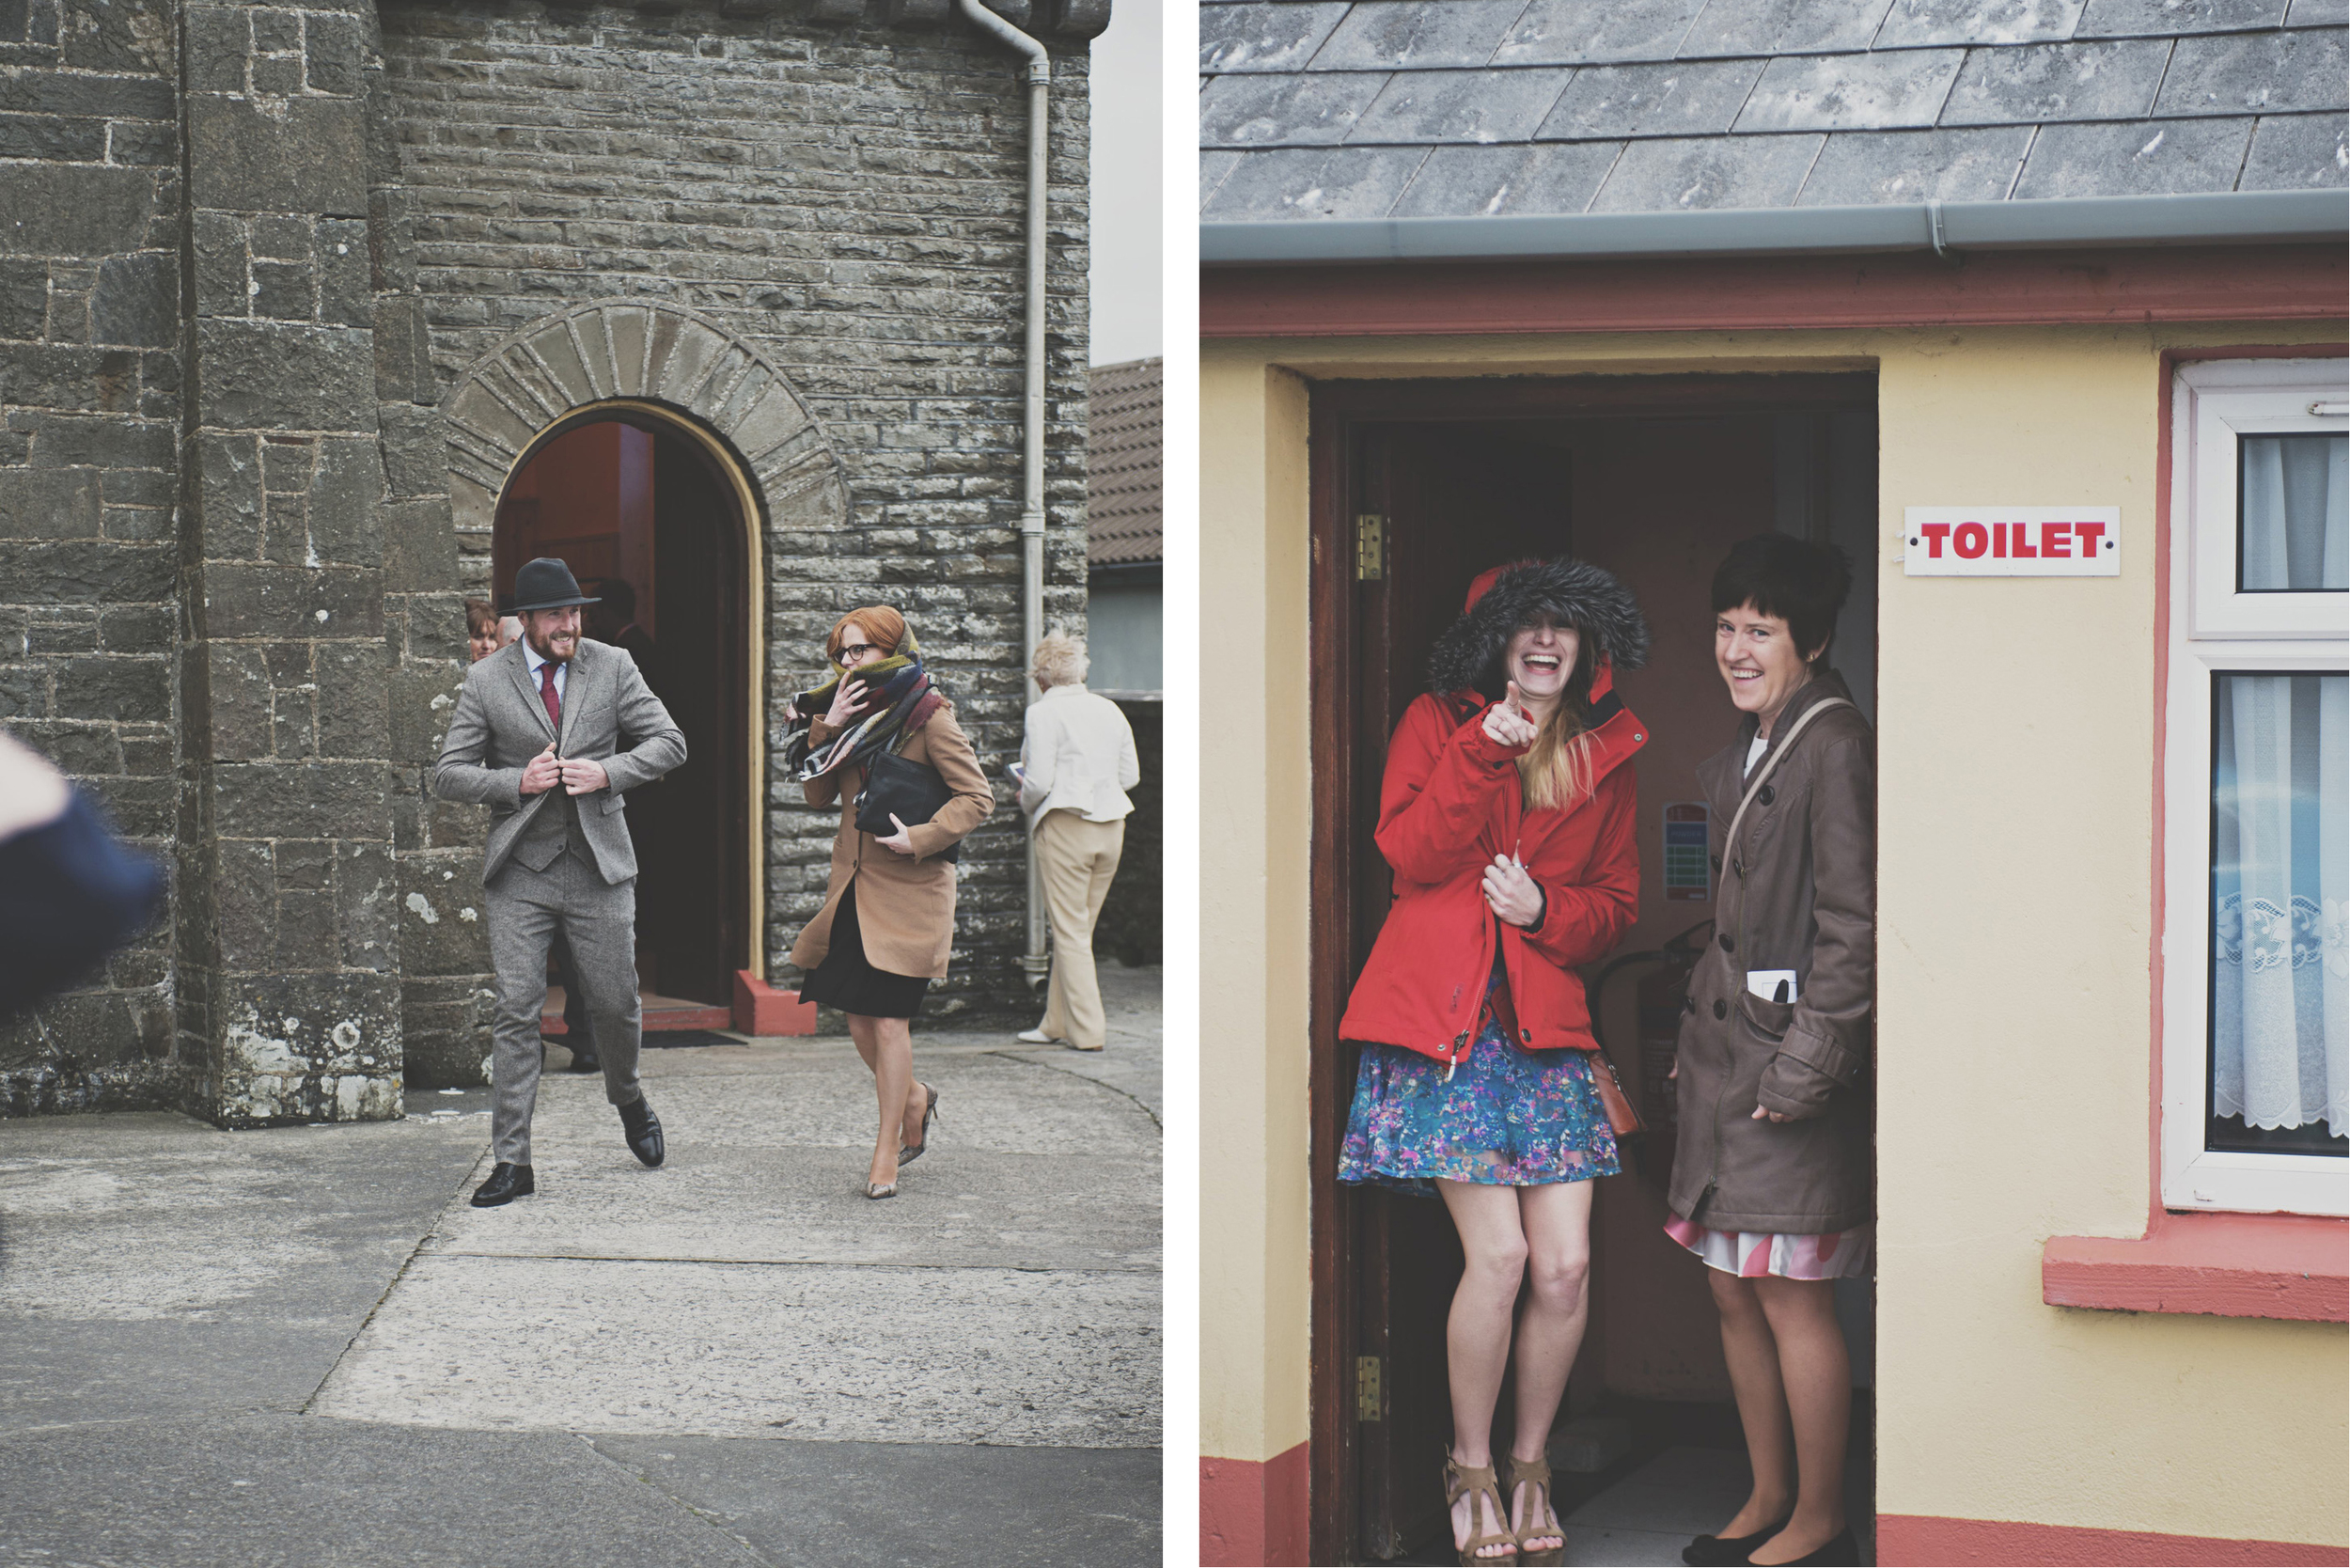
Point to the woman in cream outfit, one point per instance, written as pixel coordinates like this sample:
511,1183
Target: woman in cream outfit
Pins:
1075,767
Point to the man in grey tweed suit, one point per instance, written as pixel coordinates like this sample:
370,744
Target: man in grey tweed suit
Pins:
550,733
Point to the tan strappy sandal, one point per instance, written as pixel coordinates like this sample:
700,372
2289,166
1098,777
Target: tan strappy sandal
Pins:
1473,1483
1531,1473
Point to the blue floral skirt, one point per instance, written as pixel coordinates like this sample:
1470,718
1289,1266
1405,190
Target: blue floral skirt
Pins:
1509,1118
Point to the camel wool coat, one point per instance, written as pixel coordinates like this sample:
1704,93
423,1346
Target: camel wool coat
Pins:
905,904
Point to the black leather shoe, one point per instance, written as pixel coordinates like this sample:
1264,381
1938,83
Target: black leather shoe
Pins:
583,1061
505,1184
642,1131
1720,1551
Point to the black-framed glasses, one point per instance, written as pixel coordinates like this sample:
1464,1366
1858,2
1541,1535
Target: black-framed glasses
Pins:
851,651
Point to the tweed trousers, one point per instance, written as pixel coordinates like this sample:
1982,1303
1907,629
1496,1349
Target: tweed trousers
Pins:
526,909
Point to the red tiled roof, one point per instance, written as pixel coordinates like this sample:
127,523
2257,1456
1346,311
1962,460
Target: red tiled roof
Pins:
1122,520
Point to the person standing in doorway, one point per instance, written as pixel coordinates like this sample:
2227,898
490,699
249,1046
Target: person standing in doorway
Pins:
1076,763
549,734
1771,1173
481,630
1506,813
889,920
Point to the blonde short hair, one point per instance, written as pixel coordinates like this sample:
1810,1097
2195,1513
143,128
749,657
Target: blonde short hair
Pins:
1060,660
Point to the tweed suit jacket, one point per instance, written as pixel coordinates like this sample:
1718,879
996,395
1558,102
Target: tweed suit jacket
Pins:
609,716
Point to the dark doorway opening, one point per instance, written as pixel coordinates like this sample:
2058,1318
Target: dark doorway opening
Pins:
649,518
1417,487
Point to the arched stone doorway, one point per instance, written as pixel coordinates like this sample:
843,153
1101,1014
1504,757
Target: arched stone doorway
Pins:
650,515
740,451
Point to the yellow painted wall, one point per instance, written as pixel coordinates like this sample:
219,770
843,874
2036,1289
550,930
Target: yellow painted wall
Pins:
1254,789
2017,765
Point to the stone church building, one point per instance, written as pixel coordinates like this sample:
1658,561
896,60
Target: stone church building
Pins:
318,318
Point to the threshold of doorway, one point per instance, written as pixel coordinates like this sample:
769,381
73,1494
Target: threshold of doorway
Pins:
1686,1464
661,1013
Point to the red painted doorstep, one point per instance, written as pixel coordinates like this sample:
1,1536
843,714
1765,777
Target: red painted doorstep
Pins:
2228,1265
1252,1513
2211,283
1961,1542
760,1008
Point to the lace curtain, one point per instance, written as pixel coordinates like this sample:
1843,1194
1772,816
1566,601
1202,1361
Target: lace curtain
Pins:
2281,972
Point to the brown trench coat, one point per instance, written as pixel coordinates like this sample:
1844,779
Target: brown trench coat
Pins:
1798,891
905,904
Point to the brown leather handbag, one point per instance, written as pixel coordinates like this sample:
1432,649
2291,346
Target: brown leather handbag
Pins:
1622,1116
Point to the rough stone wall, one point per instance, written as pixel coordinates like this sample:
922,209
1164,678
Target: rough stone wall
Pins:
850,200
89,407
289,973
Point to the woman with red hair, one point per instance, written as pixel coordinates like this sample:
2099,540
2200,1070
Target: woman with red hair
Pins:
1507,814
888,919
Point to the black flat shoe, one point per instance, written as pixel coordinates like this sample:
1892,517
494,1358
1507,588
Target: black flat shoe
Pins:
583,1061
1722,1551
641,1130
1842,1550
506,1183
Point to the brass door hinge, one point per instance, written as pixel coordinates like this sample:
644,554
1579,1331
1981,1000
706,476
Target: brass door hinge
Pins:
1366,1387
1370,548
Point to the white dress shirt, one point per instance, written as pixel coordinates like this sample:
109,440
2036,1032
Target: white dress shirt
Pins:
1079,755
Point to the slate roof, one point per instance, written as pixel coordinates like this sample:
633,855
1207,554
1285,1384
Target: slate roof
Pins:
1123,440
1380,109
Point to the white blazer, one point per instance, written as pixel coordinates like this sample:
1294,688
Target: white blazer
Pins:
1079,755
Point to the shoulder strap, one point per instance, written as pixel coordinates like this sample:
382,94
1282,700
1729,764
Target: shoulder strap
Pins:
1770,763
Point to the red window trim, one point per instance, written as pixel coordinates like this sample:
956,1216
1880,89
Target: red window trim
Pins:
2222,1264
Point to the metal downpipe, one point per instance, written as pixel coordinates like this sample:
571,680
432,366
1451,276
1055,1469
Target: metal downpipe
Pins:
1034,963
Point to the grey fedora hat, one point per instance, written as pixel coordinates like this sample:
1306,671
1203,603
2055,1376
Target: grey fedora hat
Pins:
547,584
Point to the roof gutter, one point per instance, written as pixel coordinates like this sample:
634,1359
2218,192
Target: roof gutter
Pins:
2229,218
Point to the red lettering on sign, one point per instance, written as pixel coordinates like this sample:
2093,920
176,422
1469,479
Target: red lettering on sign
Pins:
2089,532
1970,547
1935,533
1999,540
2056,539
2023,542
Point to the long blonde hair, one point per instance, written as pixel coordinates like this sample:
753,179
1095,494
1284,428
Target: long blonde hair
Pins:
1555,771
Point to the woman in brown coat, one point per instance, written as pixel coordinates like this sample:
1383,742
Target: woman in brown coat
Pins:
888,918
1771,1170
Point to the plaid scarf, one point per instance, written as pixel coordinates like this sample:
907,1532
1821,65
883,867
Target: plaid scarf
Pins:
907,699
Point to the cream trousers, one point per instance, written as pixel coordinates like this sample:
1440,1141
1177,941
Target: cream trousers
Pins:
1075,860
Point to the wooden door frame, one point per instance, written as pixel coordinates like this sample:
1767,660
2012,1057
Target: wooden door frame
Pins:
1337,409
751,521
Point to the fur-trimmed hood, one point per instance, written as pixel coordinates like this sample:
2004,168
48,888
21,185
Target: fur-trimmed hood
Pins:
1570,592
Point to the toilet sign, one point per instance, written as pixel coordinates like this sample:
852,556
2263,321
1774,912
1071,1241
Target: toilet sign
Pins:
2011,542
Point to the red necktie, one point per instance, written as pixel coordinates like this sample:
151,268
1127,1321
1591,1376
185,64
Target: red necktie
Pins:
546,692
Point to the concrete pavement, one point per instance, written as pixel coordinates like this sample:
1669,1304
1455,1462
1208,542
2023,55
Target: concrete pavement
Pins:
304,1345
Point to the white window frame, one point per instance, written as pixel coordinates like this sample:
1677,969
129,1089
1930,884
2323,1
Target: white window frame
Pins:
2214,628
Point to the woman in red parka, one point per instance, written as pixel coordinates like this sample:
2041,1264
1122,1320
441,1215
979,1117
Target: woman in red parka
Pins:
1506,813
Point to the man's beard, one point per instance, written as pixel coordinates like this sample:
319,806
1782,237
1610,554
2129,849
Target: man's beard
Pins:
544,647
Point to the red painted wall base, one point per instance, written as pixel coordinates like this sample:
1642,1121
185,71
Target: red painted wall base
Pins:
1904,1538
760,1009
1253,1512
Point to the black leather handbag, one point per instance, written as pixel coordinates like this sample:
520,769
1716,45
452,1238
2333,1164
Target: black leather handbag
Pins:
914,792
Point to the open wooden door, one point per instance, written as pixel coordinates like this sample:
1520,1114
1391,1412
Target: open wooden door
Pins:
1440,505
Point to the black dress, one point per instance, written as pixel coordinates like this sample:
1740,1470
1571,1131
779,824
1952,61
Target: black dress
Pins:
844,979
